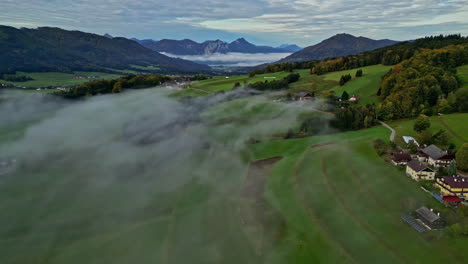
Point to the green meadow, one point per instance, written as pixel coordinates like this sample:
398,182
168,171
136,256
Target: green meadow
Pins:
455,125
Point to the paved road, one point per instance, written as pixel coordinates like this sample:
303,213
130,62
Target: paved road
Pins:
392,136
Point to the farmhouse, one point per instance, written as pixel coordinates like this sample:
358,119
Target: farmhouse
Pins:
354,99
453,186
419,171
401,158
429,218
435,156
303,96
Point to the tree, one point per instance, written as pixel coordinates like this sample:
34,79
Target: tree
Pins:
359,73
345,96
117,87
462,99
441,138
462,157
452,169
425,137
422,123
237,84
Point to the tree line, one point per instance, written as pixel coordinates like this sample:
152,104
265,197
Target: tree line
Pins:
113,86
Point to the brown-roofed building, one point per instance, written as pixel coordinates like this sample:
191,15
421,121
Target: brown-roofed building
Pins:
419,171
400,158
304,96
453,186
436,156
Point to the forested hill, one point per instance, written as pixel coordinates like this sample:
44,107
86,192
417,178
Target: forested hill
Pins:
54,49
336,46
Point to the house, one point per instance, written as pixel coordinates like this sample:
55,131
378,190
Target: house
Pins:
419,171
452,200
303,96
401,158
354,99
409,139
453,186
429,217
435,156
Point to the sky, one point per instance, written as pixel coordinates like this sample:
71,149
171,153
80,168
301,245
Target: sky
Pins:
266,22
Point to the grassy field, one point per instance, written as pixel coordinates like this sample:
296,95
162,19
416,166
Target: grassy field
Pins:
44,79
455,125
342,203
225,83
365,87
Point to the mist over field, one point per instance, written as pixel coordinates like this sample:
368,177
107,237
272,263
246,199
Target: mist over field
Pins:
233,59
108,164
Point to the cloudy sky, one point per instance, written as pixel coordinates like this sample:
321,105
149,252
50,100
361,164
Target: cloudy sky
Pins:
271,22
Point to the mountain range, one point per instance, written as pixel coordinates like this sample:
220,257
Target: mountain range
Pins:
55,49
337,46
190,47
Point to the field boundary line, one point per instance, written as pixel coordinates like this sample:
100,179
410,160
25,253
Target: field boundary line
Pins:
310,211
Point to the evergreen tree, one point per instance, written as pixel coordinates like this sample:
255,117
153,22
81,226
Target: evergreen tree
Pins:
452,169
359,73
345,96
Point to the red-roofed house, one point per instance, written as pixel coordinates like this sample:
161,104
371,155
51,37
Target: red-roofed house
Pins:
452,200
453,186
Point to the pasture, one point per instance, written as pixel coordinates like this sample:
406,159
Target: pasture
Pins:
455,125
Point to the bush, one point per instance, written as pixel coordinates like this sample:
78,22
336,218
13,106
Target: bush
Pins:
380,146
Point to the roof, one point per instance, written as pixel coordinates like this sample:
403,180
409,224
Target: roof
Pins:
408,139
417,166
303,94
399,157
456,182
427,214
434,152
452,199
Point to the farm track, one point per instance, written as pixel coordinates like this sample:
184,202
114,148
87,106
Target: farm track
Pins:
322,227
442,121
332,188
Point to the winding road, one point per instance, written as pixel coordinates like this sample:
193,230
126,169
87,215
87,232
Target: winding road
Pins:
392,136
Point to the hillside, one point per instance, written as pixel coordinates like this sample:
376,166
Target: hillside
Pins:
190,47
54,49
337,46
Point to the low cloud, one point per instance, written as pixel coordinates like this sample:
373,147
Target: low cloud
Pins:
233,58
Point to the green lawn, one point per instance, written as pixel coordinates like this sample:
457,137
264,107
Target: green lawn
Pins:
455,124
44,79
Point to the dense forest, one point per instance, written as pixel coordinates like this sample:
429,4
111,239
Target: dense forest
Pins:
425,84
113,86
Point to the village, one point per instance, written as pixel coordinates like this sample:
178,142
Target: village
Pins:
435,169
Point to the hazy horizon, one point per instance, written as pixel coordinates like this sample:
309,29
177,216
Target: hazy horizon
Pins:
263,22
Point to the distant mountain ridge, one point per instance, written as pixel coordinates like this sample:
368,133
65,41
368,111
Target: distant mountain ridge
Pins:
337,46
54,49
190,47
290,47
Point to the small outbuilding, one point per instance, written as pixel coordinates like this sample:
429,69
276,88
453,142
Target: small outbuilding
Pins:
452,200
409,139
429,217
303,96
